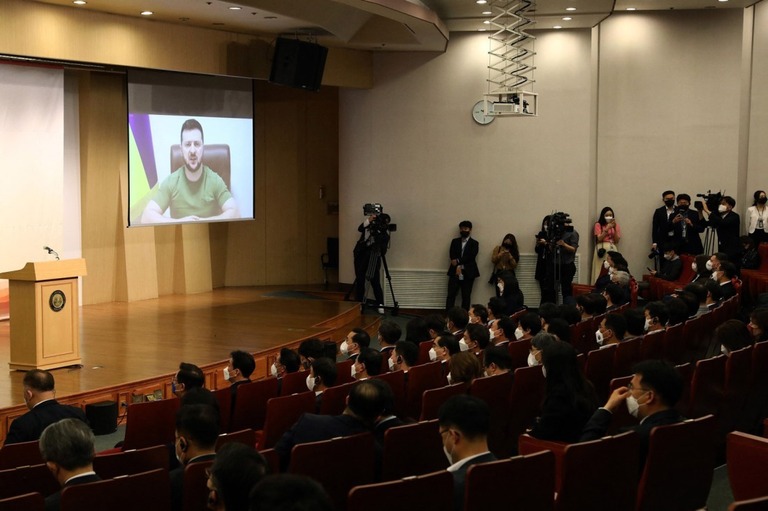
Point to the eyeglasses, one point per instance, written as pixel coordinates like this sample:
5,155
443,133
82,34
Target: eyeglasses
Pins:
632,387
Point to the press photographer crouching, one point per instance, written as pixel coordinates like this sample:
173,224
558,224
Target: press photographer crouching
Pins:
560,245
370,250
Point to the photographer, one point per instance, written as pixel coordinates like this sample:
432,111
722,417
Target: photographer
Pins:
559,249
686,225
373,243
726,222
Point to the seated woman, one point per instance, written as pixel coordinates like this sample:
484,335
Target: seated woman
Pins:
732,335
510,292
758,324
570,399
464,367
699,267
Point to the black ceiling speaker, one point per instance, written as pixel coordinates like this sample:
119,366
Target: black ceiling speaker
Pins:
298,64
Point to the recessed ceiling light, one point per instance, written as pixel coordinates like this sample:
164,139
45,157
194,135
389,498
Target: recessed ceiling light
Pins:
557,27
79,2
630,8
722,0
486,22
487,12
570,8
147,13
235,8
567,18
481,30
482,2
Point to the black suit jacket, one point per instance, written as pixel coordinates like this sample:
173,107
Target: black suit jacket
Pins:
177,481
467,260
460,475
671,270
727,234
660,229
53,501
691,242
30,426
313,428
728,290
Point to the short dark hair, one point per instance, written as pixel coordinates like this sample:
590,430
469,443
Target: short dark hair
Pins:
691,302
312,349
458,316
290,359
235,470
668,192
435,322
721,256
548,311
635,320
39,380
371,360
714,289
569,313
479,334
361,337
733,334
68,443
617,324
560,328
684,196
189,125
449,342
289,492
199,423
497,355
728,268
658,310
416,330
508,326
243,361
326,370
480,311
190,375
698,290
368,399
497,305
678,310
200,396
465,223
670,246
729,200
616,293
661,377
468,414
531,321
390,332
409,351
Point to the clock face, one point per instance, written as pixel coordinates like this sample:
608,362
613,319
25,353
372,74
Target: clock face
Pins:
480,115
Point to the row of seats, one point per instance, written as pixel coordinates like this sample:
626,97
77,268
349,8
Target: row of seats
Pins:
756,281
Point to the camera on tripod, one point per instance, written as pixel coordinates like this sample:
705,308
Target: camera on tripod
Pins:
381,222
559,224
712,200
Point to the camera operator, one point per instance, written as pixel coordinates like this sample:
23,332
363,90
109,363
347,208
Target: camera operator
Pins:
373,242
726,222
560,250
686,225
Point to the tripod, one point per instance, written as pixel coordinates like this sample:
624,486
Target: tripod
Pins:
374,258
709,241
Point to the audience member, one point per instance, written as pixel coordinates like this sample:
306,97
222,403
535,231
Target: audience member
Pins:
496,306
700,292
67,448
416,331
464,425
477,337
435,325
528,326
404,356
322,374
287,361
758,325
387,418
354,342
238,370
611,330
547,312
458,319
389,334
614,296
496,361
732,335
678,310
560,329
511,294
691,302
714,293
39,396
200,396
478,313
443,347
570,313
656,316
235,471
197,428
699,266
502,331
309,351
289,492
635,322
672,266
464,367
724,276
538,343
367,364
187,377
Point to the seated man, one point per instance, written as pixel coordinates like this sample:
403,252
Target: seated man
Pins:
477,337
656,317
354,342
309,351
635,323
287,361
67,449
443,347
367,364
612,329
193,191
559,328
197,429
39,396
528,326
458,319
322,374
497,361
615,296
188,376
389,334
502,331
651,396
724,276
236,470
538,343
404,356
238,371
478,313
365,404
672,266
464,424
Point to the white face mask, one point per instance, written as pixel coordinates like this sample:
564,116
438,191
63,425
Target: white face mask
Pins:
544,371
723,350
709,265
344,348
310,382
668,257
532,360
714,275
273,370
647,325
391,364
608,219
463,345
599,337
501,287
694,267
450,379
519,333
353,370
432,354
491,333
448,455
226,373
633,406
722,208
606,265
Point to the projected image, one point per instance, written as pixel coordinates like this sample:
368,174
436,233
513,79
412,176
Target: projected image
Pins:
190,169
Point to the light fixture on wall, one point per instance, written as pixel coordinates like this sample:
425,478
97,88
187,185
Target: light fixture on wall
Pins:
510,63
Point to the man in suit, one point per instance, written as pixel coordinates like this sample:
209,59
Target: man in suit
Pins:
687,225
238,371
67,449
197,428
651,397
724,277
672,266
463,269
727,223
322,374
235,471
661,231
356,340
365,404
39,396
389,334
464,423
188,376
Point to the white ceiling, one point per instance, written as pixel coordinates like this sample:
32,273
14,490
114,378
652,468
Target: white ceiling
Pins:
403,25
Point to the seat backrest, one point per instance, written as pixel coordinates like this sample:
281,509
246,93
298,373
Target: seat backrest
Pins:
250,407
525,400
224,398
686,373
615,457
150,424
759,365
273,460
420,378
216,157
529,481
674,343
25,502
396,380
430,491
531,445
684,450
747,458
344,371
244,436
29,479
347,462
282,413
707,387
494,390
433,399
400,459
424,347
737,375
333,400
760,504
23,453
148,491
195,488
599,369
653,345
519,351
293,383
628,353
133,461
583,336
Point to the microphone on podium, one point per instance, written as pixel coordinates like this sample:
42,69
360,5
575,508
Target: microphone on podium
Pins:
51,251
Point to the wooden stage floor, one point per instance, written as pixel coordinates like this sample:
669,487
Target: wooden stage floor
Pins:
126,342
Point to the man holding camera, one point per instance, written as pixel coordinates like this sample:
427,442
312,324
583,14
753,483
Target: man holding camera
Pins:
463,269
686,225
370,248
561,247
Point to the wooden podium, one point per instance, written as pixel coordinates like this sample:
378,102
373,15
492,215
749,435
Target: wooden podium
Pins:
45,314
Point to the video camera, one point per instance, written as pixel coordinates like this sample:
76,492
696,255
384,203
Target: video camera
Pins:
712,200
381,223
559,223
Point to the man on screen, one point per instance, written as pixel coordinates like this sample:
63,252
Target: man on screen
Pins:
193,191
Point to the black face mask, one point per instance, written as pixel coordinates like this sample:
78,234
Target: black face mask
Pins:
669,202
683,207
762,200
464,234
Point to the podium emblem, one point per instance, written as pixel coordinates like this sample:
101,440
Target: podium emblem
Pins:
57,300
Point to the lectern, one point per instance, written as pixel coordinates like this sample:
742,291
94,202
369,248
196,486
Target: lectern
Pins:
45,319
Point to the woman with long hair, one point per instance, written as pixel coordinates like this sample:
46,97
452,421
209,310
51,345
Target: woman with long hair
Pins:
607,235
504,258
757,218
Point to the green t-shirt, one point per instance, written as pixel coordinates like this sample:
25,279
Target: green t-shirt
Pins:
203,198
